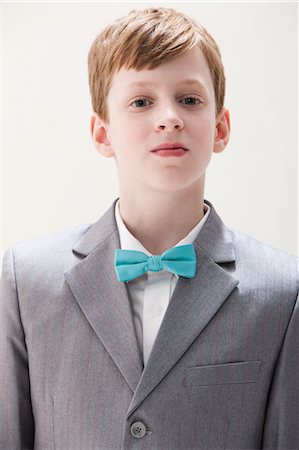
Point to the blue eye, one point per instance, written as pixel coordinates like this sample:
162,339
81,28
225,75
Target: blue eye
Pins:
139,103
191,101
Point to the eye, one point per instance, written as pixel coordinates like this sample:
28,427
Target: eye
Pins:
140,103
191,101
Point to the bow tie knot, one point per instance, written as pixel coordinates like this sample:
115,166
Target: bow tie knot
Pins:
130,264
155,263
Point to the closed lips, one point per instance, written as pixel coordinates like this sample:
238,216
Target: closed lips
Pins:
170,146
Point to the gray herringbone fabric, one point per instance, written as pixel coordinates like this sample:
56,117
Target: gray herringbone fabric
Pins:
223,372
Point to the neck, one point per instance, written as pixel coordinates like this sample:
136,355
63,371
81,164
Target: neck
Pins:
159,220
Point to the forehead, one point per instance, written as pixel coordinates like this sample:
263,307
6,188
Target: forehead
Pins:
190,69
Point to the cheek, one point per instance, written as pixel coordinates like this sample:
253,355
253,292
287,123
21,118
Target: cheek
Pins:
131,132
205,127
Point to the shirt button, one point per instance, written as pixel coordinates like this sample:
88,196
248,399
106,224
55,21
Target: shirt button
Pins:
138,430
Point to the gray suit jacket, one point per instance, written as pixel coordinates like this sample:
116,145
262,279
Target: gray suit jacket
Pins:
223,372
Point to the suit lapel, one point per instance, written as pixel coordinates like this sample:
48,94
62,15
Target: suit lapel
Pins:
194,303
103,299
192,306
106,304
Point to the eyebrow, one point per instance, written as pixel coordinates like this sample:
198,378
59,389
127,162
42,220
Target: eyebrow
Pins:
193,82
141,83
187,81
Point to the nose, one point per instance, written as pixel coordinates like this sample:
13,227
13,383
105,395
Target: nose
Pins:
169,120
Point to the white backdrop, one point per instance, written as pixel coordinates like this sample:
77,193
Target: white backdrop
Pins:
53,178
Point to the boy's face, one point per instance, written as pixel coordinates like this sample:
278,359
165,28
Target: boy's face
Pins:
148,108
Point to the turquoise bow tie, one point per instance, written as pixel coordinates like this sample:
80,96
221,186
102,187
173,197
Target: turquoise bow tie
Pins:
130,264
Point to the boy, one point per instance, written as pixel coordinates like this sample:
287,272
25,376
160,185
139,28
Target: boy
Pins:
156,327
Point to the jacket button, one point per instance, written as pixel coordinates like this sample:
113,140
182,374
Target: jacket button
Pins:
138,430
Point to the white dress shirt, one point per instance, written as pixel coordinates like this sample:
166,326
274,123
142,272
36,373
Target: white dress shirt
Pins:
150,293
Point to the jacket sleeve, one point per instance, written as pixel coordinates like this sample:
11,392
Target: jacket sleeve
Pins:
281,426
16,417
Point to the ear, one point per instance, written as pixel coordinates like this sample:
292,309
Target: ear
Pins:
99,135
222,131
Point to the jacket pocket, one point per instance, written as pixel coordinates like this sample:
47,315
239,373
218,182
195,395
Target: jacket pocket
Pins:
217,374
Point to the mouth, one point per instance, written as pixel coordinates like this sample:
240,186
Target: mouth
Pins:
174,151
170,146
170,149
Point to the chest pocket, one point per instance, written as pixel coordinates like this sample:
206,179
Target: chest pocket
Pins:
217,374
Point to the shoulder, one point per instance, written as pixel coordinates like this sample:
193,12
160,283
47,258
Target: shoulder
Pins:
66,237
265,264
253,248
52,250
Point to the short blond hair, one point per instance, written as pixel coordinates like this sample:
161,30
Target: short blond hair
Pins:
145,39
